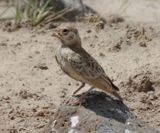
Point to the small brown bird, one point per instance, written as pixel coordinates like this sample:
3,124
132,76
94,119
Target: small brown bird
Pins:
75,61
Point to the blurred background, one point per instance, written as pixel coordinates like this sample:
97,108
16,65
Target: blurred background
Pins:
137,10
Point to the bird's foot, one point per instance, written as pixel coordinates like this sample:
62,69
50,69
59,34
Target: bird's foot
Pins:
75,100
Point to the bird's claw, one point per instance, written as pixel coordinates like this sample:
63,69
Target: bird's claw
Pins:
75,100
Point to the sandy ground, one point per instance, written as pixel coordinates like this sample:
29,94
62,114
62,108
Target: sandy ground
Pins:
32,86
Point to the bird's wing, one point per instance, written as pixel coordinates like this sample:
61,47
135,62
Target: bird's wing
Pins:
89,68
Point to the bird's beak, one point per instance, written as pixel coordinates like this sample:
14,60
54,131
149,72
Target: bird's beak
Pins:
56,33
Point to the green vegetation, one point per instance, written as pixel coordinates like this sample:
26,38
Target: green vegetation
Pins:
36,12
33,11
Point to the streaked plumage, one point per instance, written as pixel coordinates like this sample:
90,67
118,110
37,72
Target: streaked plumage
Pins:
79,64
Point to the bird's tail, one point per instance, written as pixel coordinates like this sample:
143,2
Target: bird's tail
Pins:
111,88
108,81
115,87
114,93
106,84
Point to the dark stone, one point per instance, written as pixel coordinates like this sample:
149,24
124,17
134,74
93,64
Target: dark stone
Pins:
98,114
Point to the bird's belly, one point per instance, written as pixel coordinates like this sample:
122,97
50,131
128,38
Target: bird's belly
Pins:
69,70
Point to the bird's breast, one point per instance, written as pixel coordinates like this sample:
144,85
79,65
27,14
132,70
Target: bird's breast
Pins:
62,57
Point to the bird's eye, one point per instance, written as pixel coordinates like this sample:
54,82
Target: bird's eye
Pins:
65,30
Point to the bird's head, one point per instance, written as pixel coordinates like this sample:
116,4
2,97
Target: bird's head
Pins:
69,36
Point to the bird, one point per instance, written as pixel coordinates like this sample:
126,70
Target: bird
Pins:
76,62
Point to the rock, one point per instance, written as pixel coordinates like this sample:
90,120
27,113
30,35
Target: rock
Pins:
141,83
142,44
41,66
114,18
98,114
100,25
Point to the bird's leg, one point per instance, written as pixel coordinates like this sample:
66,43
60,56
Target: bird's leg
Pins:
84,95
79,88
78,100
